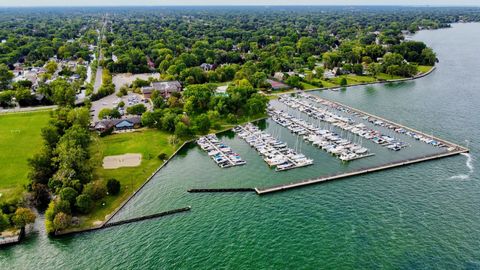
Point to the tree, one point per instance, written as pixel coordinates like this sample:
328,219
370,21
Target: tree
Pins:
294,81
182,130
68,194
113,186
343,82
23,217
6,77
84,203
202,124
95,190
51,66
109,113
4,222
62,206
137,109
41,195
257,104
374,69
61,221
428,57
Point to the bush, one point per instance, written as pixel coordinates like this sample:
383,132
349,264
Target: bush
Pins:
68,194
343,82
137,109
61,221
22,217
113,186
62,206
96,190
162,156
84,203
4,222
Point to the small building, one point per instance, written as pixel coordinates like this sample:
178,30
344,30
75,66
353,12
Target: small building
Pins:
279,76
118,124
221,90
207,67
277,85
165,88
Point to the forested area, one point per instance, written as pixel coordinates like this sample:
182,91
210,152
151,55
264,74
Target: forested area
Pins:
45,55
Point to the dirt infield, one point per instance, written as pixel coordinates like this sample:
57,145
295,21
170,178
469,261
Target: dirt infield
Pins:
127,160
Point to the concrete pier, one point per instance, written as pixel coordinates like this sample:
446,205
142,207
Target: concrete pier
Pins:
357,172
455,149
219,190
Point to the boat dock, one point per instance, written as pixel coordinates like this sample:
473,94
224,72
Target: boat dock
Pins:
343,123
275,152
326,140
399,128
219,152
263,191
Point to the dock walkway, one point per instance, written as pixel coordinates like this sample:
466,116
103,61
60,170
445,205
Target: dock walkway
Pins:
450,144
278,153
357,172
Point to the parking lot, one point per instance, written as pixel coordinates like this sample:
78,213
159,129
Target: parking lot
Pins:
112,101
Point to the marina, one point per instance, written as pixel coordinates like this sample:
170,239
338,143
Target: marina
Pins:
378,121
275,152
219,152
344,123
324,139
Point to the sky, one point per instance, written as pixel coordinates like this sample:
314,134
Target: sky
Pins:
9,3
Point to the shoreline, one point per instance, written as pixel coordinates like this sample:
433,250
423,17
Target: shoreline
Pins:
418,76
259,191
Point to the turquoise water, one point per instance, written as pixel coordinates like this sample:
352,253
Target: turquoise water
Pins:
416,217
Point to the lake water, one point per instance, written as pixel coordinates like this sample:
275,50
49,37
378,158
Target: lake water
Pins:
422,216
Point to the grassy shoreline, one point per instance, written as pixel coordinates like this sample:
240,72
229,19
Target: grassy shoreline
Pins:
132,179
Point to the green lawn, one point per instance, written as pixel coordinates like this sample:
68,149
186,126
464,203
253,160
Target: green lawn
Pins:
149,142
20,139
307,86
424,69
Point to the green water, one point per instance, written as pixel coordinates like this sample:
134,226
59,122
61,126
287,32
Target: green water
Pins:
423,216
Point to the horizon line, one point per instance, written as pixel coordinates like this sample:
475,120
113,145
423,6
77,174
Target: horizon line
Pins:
239,5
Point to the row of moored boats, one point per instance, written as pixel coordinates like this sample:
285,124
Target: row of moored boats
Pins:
377,122
327,140
222,154
344,123
274,152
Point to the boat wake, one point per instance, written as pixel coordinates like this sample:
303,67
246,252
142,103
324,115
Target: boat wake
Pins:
469,164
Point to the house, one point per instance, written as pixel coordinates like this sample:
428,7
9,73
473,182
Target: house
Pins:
118,124
279,76
277,85
221,90
207,67
165,88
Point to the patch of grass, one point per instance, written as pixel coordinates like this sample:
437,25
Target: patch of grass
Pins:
384,76
20,139
149,142
307,86
424,69
329,83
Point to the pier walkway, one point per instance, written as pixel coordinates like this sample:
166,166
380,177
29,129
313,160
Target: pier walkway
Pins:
214,145
357,172
456,147
277,152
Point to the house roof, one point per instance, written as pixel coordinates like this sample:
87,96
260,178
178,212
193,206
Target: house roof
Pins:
108,123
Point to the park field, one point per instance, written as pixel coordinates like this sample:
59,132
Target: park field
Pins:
20,139
148,142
